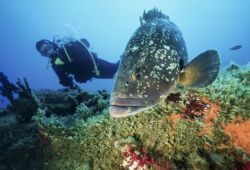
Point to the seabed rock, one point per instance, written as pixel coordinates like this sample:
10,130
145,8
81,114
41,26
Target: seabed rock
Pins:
205,128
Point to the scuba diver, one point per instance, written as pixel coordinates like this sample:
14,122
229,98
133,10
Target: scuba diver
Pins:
74,60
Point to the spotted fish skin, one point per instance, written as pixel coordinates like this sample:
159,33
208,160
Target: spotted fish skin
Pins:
155,51
150,65
151,62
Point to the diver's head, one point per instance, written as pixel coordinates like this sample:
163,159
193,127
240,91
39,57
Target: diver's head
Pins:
46,48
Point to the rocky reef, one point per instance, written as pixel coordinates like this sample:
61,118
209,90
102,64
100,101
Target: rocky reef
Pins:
206,128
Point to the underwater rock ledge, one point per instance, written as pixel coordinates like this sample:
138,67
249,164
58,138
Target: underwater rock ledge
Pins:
205,128
192,129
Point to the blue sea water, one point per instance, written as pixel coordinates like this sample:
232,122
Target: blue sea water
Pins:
108,25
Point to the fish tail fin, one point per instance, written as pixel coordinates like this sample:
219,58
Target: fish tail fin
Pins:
152,15
201,71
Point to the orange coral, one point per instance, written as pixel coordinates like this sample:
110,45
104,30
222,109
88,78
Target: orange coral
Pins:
198,108
240,134
211,114
174,117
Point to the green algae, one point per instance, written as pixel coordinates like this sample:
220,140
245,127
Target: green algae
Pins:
96,142
232,90
90,139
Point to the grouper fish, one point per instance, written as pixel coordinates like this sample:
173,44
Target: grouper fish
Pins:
155,60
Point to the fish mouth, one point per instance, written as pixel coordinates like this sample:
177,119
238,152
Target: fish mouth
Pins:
124,111
135,102
123,107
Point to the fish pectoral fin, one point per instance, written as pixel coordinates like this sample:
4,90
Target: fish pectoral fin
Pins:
201,71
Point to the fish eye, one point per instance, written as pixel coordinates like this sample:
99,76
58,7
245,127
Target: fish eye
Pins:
137,76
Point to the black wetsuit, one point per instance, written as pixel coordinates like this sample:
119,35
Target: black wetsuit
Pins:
79,64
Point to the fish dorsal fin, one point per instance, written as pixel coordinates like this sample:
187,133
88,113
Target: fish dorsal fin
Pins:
201,71
152,15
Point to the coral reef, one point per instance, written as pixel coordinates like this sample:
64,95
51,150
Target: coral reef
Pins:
187,129
25,138
7,87
25,105
20,147
205,128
